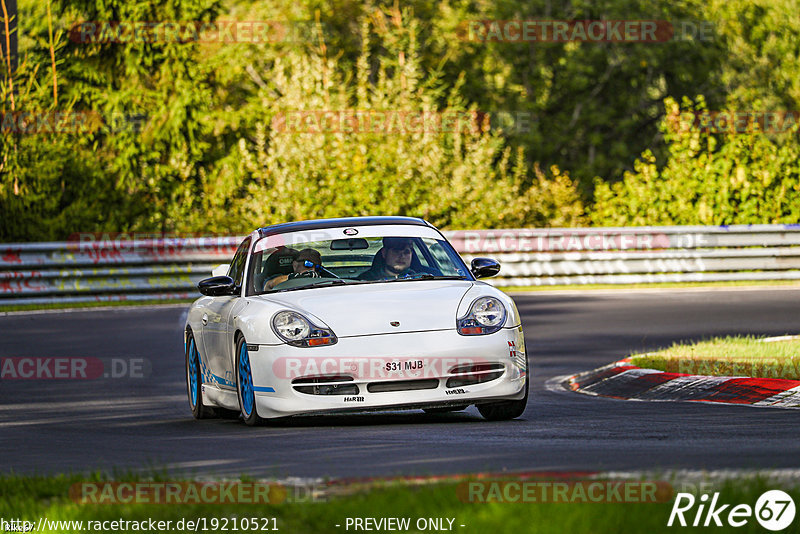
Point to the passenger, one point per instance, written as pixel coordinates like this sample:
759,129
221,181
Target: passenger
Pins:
301,270
392,261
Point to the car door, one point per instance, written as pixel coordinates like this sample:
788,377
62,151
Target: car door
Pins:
217,331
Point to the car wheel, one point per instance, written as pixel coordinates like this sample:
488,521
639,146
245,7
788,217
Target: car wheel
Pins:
224,413
505,410
244,385
445,409
194,381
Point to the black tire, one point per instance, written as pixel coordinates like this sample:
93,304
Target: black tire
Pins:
224,413
244,385
194,381
505,410
445,409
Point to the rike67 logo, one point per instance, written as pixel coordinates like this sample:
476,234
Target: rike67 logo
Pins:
774,510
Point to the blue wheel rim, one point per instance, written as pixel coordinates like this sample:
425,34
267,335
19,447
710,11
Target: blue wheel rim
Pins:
245,381
193,374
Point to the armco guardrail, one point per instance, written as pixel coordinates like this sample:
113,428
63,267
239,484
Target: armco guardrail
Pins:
122,269
634,255
143,269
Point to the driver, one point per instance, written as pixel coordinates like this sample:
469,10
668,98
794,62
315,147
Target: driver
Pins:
396,255
299,267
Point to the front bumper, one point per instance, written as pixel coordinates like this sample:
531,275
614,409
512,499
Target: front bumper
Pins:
403,370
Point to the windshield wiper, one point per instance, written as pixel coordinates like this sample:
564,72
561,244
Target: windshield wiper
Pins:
423,276
321,283
417,276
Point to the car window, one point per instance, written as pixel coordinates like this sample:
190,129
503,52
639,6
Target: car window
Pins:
350,261
236,270
423,254
439,254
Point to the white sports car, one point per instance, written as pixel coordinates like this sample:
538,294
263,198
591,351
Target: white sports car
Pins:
355,314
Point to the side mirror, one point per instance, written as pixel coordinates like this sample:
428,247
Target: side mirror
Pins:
221,270
484,267
217,286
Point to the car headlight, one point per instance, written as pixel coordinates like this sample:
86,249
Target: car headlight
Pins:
486,315
297,330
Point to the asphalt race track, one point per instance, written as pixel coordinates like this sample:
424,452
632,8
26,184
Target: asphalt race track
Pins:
135,423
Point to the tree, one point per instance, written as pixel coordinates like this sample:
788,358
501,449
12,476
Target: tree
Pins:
711,176
463,178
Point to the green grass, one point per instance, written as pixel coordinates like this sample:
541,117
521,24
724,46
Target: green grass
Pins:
729,356
30,498
662,285
80,305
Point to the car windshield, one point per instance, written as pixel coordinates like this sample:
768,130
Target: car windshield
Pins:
353,260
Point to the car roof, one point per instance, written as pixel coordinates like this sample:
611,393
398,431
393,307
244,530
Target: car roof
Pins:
337,223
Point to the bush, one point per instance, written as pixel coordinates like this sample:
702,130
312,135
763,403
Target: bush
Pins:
455,179
709,178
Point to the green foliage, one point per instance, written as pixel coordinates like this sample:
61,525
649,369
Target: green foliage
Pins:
547,505
724,178
40,174
762,42
207,157
593,105
728,356
455,179
119,175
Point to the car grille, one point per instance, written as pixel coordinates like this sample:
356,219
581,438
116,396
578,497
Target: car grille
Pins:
403,385
476,373
325,385
519,358
322,379
476,368
460,376
468,380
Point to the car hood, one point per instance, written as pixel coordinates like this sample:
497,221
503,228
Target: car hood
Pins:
369,309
